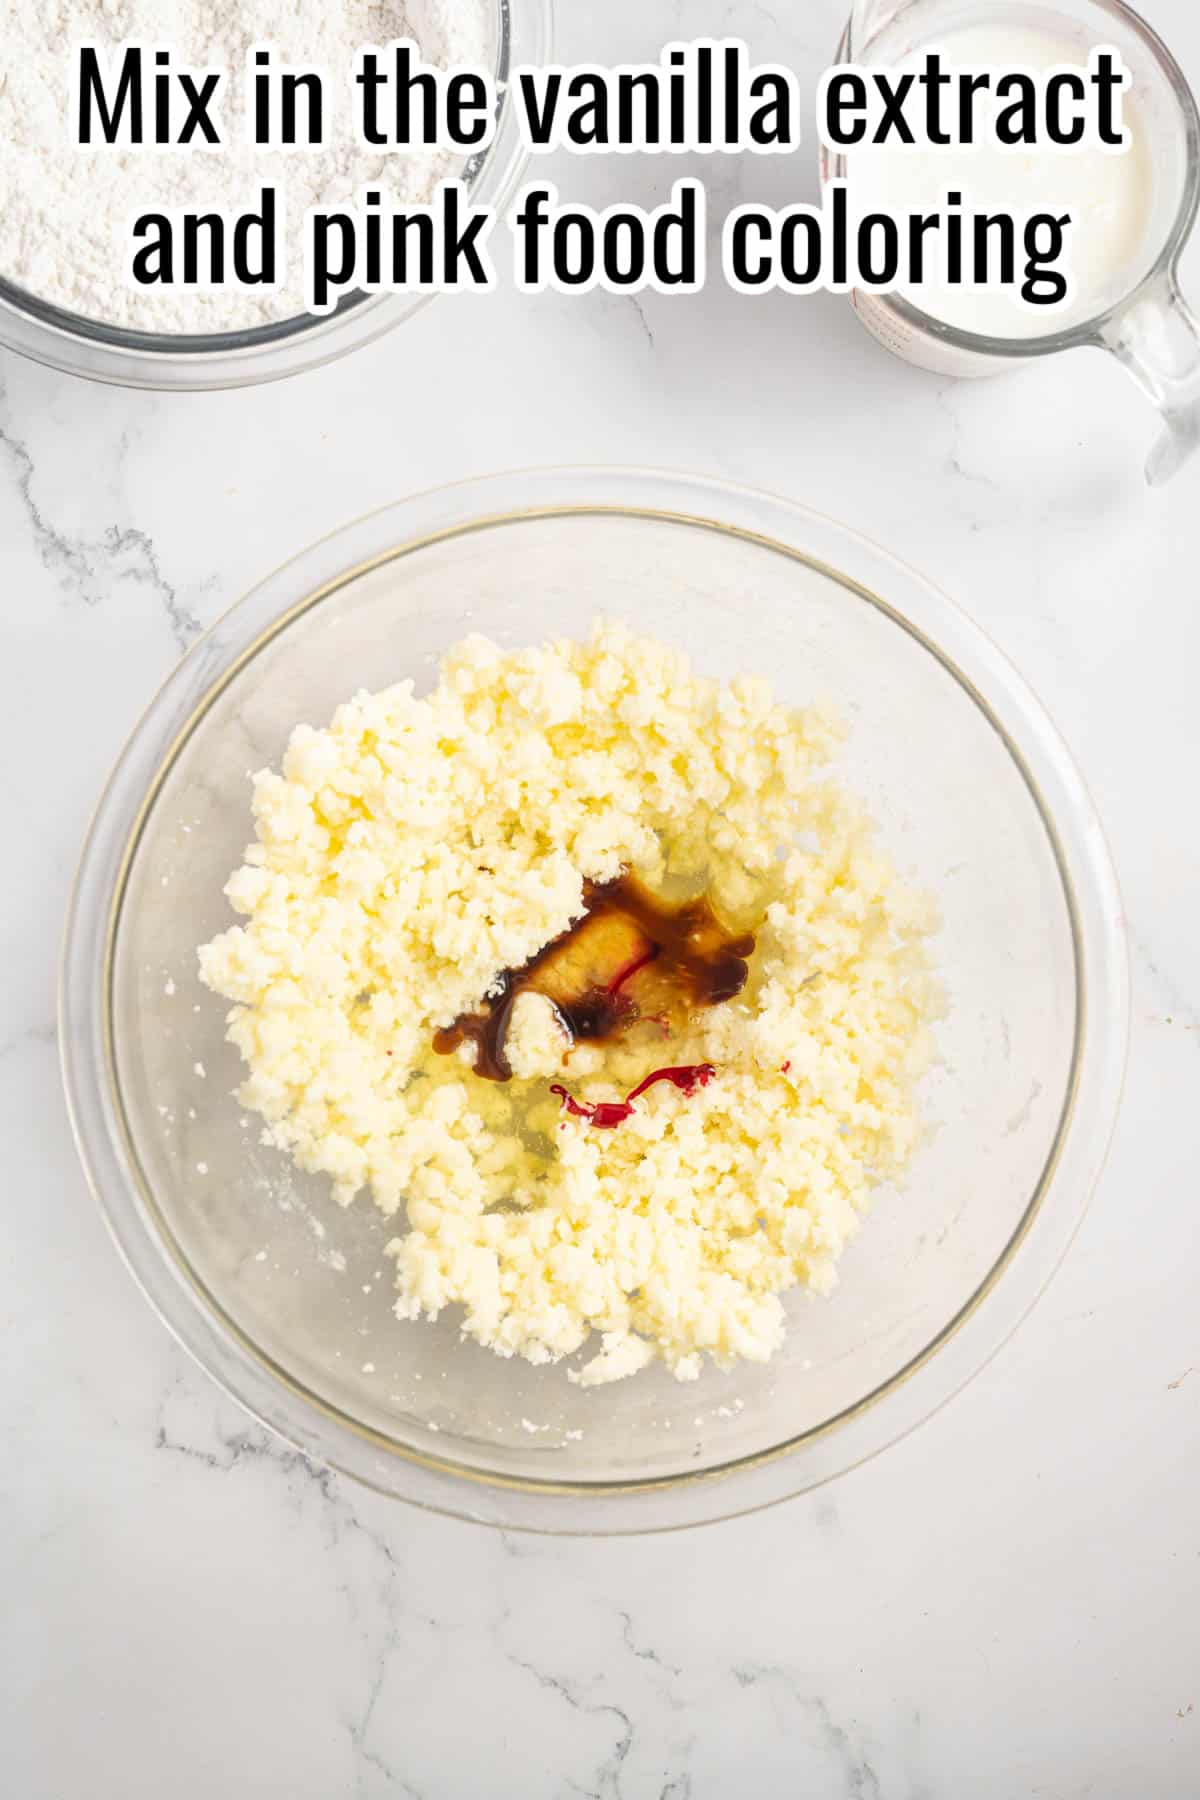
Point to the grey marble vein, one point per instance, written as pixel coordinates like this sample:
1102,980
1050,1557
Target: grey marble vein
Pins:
88,568
859,1778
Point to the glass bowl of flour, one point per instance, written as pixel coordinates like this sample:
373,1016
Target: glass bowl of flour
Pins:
289,1299
64,296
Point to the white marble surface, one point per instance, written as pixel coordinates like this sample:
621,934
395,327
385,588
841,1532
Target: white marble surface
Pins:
1006,1604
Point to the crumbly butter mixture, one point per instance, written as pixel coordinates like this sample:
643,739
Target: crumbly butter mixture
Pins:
416,848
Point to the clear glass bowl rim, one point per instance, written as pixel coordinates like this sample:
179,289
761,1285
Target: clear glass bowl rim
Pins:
986,1319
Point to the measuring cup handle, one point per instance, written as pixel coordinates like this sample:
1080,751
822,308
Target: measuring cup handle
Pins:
1158,340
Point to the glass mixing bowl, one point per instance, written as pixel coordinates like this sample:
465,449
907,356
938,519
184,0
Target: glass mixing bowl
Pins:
285,1298
521,33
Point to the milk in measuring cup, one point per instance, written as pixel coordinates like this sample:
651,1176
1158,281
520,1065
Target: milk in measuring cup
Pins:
1106,193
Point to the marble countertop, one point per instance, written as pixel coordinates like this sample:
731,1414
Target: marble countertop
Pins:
1006,1604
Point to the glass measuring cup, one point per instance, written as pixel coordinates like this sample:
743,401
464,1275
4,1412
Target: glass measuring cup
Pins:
1144,321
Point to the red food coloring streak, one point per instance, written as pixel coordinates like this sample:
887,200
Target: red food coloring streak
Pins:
602,1113
627,974
687,1078
605,1114
787,1065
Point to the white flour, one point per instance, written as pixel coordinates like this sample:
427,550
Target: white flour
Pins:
65,212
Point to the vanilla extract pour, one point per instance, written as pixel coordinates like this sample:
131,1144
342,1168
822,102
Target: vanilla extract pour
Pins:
630,957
